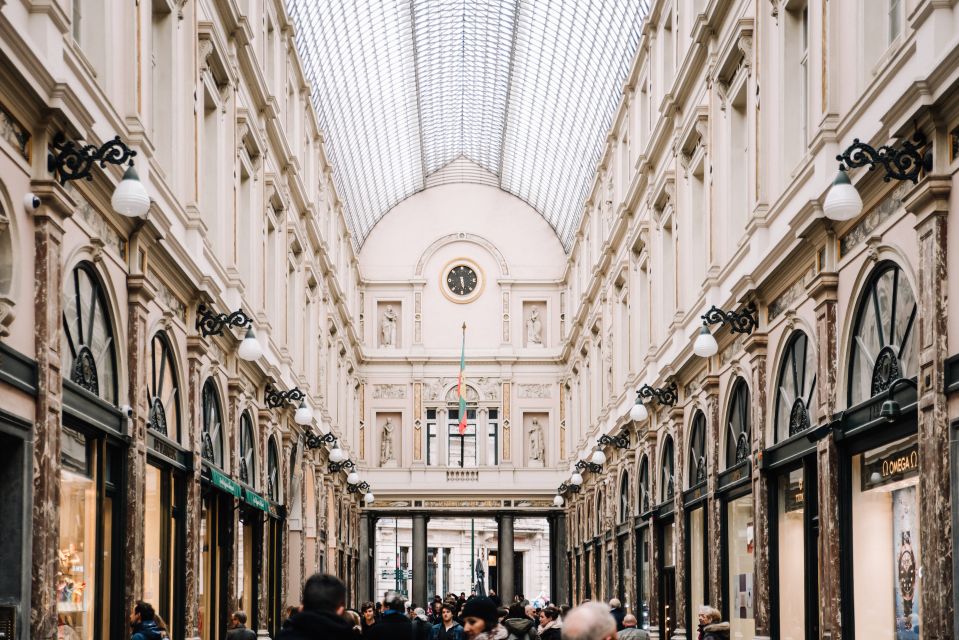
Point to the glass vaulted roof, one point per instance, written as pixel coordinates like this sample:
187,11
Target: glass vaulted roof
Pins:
520,91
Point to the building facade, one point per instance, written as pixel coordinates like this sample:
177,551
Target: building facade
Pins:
803,479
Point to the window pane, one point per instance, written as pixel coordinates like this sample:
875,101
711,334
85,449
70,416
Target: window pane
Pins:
697,551
152,546
739,554
791,556
77,558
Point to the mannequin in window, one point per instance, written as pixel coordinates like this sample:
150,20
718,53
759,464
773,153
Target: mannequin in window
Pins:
534,329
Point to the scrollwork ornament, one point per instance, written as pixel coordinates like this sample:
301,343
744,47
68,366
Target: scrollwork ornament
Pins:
798,417
886,370
84,371
70,161
904,163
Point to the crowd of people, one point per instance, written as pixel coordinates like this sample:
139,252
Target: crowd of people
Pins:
322,615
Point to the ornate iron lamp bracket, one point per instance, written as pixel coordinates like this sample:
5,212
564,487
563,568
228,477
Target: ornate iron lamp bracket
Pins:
620,441
334,467
70,161
903,163
362,487
275,399
743,321
314,441
592,466
567,487
211,323
663,395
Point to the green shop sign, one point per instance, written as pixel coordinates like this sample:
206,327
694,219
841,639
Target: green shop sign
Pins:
256,500
223,482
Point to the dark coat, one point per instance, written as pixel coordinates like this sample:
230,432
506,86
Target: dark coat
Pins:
393,626
146,630
553,633
716,631
316,625
241,633
421,629
438,632
618,614
521,629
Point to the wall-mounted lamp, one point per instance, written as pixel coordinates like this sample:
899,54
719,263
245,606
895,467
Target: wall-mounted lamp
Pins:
744,321
620,441
335,467
904,163
891,409
359,487
211,323
70,161
314,441
594,467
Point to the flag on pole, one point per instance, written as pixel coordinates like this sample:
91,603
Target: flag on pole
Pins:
461,387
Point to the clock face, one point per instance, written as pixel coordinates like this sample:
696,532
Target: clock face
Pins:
462,280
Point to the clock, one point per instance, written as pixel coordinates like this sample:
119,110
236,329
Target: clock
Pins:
461,281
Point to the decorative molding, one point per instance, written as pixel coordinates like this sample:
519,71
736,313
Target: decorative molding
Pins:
531,391
795,291
102,230
882,211
461,237
15,133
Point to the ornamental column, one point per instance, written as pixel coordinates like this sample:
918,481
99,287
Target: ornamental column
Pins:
756,348
419,559
364,578
559,561
504,558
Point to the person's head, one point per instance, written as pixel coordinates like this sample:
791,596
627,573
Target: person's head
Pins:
420,613
447,612
238,619
323,592
630,620
516,611
290,610
368,612
530,611
377,606
547,615
142,612
352,617
161,625
479,615
615,603
709,615
394,602
590,621
564,609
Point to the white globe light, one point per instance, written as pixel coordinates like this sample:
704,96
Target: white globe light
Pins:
130,197
304,415
638,412
368,498
842,201
353,478
558,501
705,345
250,348
336,455
576,479
599,457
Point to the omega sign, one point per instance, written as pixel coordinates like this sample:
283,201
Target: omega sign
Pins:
893,467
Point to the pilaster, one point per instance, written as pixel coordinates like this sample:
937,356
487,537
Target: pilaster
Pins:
756,347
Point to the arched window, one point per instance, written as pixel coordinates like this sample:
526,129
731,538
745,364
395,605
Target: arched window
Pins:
668,471
795,387
883,348
273,471
643,496
624,497
247,450
163,391
212,425
88,349
600,507
697,450
737,425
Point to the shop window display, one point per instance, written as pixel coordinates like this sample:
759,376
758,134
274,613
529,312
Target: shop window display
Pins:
886,546
740,548
697,555
791,541
76,570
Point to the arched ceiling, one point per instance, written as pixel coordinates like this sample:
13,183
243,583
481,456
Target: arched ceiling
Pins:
524,88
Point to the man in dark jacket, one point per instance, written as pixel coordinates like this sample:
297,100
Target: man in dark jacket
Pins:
238,630
518,625
324,599
447,628
143,623
618,613
395,624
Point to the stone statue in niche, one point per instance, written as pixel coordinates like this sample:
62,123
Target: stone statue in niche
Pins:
536,449
534,329
388,328
386,442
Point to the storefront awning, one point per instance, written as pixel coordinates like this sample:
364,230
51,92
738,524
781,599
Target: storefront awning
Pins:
256,500
224,483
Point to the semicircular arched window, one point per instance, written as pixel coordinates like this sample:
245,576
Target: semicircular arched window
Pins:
624,497
737,425
600,506
273,471
883,348
247,469
668,471
644,485
212,425
163,390
697,450
89,359
795,388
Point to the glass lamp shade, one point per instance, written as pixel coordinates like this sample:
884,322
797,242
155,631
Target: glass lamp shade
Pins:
576,479
336,455
842,201
250,348
638,412
130,197
353,478
368,498
705,345
599,457
558,501
304,415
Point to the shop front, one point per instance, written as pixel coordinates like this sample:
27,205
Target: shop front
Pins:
695,503
273,542
879,465
644,567
665,523
738,518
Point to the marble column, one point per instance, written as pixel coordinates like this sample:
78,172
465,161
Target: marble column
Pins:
419,594
56,206
364,584
196,353
504,558
930,203
679,531
713,506
559,561
756,348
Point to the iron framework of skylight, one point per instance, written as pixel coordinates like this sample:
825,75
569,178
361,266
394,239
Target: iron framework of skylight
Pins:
526,89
